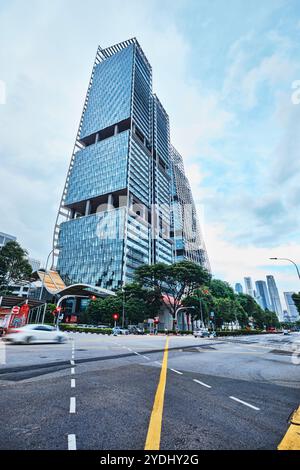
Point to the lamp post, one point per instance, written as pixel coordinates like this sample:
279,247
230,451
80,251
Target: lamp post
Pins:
291,261
181,308
45,272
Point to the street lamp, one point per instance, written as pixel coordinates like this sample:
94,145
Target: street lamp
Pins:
291,261
45,272
181,308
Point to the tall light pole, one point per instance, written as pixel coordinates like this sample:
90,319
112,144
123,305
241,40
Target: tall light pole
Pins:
181,308
291,261
43,281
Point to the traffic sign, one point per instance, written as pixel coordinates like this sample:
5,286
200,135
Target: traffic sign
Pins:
24,309
15,310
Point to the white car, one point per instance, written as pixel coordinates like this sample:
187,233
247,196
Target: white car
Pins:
35,334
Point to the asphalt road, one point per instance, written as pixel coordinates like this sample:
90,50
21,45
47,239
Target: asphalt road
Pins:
222,393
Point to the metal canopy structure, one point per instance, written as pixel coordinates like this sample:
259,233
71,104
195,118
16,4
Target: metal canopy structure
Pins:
54,285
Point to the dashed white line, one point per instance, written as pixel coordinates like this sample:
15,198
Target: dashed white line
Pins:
159,363
72,363
71,442
147,358
73,383
245,403
201,383
72,370
177,371
138,354
72,405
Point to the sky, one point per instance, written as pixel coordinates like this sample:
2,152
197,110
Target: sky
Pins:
228,74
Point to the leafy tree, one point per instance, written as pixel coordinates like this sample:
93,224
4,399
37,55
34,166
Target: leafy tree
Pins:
173,281
221,289
14,266
49,317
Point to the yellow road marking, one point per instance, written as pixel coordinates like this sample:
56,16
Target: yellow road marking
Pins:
154,430
291,440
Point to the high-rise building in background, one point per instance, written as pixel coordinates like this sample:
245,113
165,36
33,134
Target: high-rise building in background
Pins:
5,237
248,286
291,307
274,297
186,232
116,209
238,288
262,295
34,263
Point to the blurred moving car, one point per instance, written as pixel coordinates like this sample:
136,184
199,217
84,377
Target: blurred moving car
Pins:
35,334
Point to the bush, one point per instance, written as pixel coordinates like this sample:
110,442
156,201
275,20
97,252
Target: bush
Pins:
75,328
238,332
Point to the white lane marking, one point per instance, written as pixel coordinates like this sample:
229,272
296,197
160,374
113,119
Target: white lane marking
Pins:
72,370
201,383
72,363
72,405
147,358
71,442
72,383
159,363
177,371
138,354
245,403
129,349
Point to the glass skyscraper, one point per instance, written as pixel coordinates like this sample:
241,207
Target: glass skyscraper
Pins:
263,295
116,210
274,297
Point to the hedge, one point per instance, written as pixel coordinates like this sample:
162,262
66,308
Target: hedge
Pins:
238,332
74,328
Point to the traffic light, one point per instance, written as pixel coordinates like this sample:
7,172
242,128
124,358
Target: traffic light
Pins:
93,297
115,316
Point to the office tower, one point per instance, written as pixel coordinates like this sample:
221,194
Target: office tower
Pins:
238,288
115,212
34,263
186,232
292,309
248,286
274,297
5,237
263,295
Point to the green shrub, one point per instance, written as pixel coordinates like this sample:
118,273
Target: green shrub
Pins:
238,332
75,328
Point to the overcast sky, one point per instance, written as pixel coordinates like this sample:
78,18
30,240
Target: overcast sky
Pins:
223,70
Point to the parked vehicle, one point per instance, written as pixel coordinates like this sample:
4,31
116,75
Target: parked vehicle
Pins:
286,332
35,334
135,330
201,333
119,331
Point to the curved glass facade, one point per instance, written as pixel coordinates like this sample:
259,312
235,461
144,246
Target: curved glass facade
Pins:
122,178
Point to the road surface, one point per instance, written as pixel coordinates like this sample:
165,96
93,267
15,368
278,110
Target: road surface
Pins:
97,392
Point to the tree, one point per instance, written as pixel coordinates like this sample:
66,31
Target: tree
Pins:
173,281
221,289
14,266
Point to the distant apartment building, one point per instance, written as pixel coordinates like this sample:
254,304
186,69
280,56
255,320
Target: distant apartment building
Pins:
291,307
5,237
262,295
274,297
238,288
248,286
